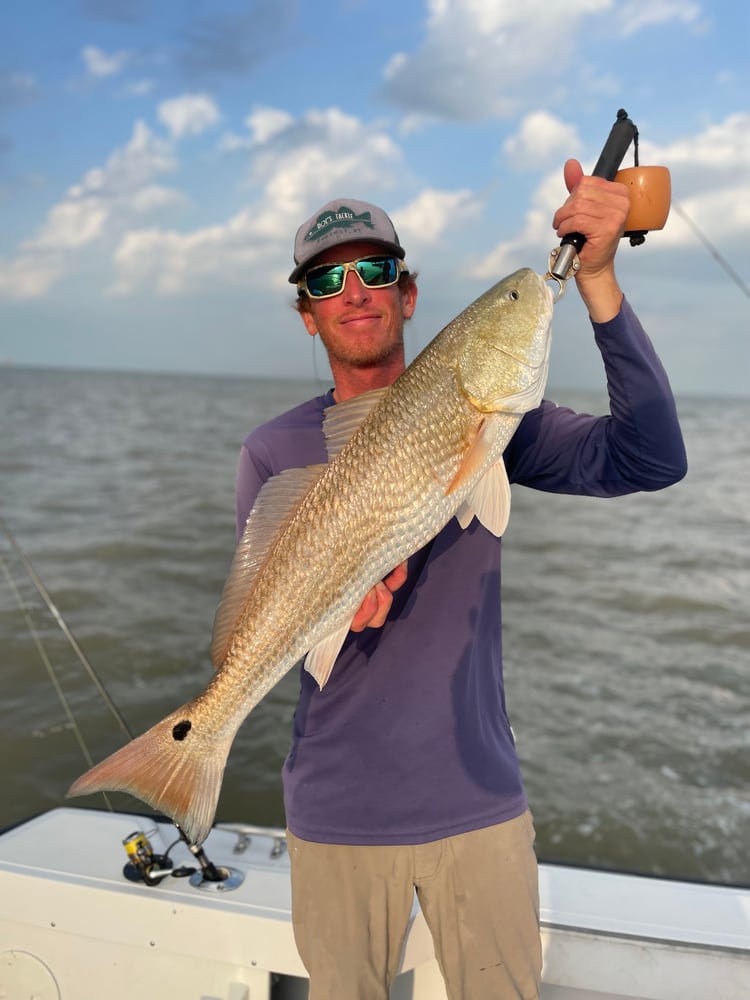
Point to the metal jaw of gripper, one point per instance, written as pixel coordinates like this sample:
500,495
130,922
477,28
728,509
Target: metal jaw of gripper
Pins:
563,264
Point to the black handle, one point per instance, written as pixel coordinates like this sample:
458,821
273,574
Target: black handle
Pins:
621,135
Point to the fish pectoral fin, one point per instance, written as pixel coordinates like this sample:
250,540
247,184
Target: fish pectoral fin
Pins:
321,658
489,501
474,457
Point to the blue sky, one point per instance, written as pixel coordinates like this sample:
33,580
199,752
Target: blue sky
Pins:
157,158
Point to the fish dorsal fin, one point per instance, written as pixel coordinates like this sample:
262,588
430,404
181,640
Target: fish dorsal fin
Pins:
342,419
273,509
321,658
489,501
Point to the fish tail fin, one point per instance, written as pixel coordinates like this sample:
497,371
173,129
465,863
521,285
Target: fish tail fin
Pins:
174,767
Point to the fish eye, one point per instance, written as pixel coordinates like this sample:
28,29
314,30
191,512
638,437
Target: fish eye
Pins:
513,295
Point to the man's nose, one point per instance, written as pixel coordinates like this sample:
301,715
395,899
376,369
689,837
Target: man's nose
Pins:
354,289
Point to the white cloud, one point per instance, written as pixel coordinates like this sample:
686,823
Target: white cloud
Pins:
324,153
297,165
101,204
81,217
724,213
263,124
99,63
486,57
495,58
231,142
139,88
129,168
153,197
300,164
637,15
723,147
540,137
535,239
170,262
29,276
72,224
710,180
425,219
190,114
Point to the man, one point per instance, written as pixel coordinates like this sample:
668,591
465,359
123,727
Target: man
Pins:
403,774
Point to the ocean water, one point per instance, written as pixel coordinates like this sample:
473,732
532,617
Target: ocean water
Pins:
627,622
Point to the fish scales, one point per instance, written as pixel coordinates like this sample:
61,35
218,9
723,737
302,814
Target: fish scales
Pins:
394,503
428,449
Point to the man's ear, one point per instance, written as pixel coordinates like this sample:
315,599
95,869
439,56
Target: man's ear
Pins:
307,318
409,299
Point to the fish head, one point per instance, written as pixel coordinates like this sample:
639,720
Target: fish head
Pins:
502,362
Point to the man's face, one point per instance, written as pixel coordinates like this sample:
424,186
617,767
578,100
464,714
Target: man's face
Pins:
362,327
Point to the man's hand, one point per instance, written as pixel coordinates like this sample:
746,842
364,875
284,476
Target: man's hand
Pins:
597,209
373,611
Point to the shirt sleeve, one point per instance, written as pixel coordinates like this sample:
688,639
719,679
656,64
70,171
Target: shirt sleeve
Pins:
292,440
637,446
251,474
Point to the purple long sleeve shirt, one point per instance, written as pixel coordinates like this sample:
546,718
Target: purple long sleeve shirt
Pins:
409,741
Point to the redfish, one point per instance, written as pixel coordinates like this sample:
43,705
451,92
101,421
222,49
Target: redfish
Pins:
402,462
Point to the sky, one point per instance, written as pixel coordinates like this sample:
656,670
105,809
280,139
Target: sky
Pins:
156,160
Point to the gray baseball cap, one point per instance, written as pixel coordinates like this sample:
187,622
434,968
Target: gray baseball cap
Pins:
342,220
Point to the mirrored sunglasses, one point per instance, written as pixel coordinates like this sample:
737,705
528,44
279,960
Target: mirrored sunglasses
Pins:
328,280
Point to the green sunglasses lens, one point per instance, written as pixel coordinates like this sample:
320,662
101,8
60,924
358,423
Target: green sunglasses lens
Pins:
325,280
378,271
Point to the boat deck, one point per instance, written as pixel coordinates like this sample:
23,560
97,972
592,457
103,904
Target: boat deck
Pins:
73,927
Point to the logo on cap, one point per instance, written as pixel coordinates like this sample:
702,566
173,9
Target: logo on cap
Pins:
342,218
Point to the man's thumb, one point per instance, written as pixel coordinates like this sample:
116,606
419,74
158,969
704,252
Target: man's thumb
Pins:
573,172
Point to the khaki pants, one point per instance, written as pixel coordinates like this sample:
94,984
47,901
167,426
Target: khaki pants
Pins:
478,892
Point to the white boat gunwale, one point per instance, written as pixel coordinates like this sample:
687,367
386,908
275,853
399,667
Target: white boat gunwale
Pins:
594,923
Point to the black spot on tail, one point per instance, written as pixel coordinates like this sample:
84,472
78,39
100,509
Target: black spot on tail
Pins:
181,730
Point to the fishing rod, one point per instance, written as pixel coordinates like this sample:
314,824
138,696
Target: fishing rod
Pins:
55,681
57,615
143,864
718,257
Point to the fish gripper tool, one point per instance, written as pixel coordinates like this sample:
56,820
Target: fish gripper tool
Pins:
563,260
